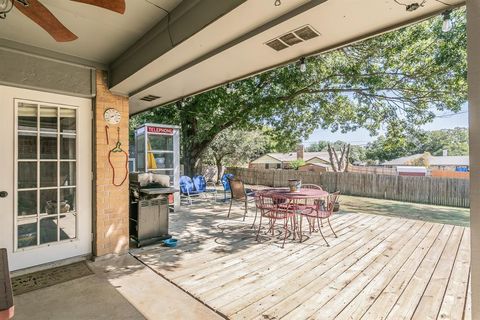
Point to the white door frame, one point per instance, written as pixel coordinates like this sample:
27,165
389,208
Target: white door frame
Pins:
45,253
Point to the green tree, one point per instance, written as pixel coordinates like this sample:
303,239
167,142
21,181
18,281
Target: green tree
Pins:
455,141
398,77
422,161
317,146
234,147
295,164
357,153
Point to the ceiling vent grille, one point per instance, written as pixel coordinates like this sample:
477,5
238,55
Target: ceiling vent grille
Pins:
150,98
293,37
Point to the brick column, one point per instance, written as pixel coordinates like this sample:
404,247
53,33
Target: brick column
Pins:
111,218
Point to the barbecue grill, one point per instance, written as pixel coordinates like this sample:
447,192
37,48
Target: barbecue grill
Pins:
150,200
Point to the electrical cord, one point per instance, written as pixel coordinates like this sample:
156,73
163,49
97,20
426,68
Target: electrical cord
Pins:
168,20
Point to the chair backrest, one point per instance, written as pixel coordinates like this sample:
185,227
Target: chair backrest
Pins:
237,189
225,182
311,186
265,202
274,204
200,183
332,199
186,185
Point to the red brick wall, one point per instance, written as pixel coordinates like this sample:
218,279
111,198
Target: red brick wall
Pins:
111,219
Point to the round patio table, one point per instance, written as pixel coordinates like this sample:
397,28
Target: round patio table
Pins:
298,199
302,194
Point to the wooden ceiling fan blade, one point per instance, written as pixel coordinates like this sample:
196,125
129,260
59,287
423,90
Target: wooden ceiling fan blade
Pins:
39,14
113,5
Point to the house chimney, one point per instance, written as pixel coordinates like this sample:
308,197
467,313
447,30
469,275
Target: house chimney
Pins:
444,152
300,151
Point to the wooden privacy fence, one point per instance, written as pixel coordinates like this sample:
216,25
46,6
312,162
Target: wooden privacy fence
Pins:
428,190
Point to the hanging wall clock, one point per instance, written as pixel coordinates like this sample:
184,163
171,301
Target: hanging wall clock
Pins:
112,116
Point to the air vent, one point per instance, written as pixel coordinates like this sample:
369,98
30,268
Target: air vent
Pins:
306,33
290,39
150,98
276,45
293,37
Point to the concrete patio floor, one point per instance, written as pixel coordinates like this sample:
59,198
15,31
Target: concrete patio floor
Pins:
121,288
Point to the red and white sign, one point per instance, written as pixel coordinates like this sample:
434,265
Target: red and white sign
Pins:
160,130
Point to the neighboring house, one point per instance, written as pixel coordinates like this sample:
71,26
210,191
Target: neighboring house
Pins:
316,167
283,160
449,163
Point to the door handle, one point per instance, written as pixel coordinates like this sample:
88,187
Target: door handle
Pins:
3,194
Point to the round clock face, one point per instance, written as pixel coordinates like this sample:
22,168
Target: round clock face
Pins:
112,116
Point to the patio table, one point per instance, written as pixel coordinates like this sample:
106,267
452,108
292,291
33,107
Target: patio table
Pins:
297,200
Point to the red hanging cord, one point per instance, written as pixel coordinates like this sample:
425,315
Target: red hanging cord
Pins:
117,149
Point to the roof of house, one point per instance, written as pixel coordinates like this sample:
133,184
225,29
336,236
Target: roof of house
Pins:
292,156
433,160
317,164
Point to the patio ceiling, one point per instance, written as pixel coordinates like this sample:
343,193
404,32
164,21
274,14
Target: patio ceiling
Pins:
201,44
233,46
102,34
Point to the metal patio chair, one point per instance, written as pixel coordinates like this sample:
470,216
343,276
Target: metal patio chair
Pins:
226,184
187,189
276,207
201,186
238,193
319,212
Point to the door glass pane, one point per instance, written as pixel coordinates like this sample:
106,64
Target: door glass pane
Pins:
67,173
48,146
68,226
27,116
67,200
48,174
27,175
68,120
27,145
27,203
67,147
48,119
49,134
48,201
48,230
27,233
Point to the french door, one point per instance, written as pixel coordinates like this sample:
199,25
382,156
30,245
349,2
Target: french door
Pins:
45,190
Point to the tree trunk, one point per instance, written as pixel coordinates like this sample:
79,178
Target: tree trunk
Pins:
347,156
330,153
219,165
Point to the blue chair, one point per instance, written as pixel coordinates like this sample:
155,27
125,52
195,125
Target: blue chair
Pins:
187,188
226,184
201,185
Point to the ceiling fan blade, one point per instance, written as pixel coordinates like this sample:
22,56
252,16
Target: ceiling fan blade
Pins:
39,14
113,5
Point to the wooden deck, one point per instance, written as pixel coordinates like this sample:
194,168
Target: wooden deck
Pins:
378,268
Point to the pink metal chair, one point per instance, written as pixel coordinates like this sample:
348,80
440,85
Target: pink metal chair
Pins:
273,208
312,186
317,213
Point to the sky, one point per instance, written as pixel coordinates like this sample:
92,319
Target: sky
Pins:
444,120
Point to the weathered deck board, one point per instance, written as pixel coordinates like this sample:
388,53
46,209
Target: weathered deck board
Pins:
379,267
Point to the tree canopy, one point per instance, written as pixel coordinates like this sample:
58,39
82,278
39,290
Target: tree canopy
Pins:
395,79
455,141
234,147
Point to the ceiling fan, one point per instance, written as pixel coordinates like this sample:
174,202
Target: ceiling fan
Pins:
39,14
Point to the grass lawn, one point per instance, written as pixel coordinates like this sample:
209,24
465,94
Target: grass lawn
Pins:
439,214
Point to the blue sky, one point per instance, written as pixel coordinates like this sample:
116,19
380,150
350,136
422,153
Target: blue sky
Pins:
444,120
